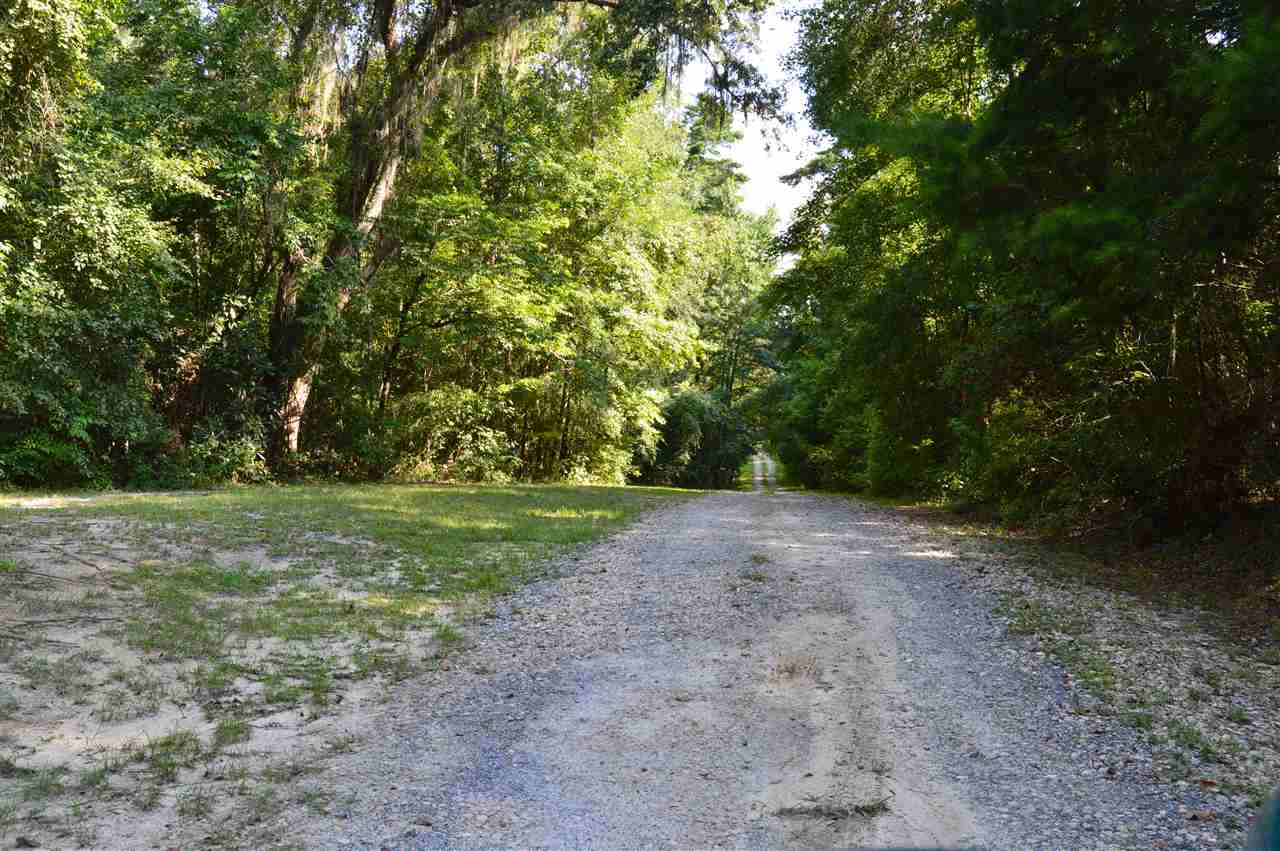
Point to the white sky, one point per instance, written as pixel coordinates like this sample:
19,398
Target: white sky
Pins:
764,158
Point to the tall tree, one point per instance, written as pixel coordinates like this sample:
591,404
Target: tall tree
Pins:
374,70
1039,266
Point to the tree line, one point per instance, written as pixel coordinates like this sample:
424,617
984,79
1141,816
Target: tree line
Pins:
450,239
1041,267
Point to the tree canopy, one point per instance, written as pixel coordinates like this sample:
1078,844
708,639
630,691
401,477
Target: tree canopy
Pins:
1042,265
1039,266
445,239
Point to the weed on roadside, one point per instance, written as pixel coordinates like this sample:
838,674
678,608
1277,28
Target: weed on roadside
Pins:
343,744
1028,616
148,796
1193,738
447,635
95,778
288,769
167,755
1139,720
315,800
43,784
261,803
195,803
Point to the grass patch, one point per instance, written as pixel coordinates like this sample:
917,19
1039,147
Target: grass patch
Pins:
370,562
1192,738
316,801
64,676
1227,563
245,603
1032,617
288,769
782,475
1063,635
231,731
95,778
43,784
1139,720
195,803
167,755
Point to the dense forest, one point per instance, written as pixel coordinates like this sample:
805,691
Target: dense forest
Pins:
468,240
1039,269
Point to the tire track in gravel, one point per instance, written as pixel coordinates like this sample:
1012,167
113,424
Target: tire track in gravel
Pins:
745,670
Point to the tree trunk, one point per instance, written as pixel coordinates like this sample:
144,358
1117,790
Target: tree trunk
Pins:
295,403
289,384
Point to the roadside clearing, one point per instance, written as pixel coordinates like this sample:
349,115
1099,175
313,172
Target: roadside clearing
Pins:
159,652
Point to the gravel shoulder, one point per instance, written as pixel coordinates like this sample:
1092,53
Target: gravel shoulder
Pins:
760,670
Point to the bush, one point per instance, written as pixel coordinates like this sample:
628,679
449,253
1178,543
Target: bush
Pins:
446,433
702,445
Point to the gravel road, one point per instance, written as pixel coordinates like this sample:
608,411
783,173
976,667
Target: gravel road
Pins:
752,670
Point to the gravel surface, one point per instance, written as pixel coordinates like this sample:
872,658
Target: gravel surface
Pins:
756,670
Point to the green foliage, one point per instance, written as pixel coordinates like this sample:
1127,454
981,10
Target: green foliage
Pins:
205,233
1050,296
703,444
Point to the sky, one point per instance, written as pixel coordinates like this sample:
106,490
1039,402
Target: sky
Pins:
766,159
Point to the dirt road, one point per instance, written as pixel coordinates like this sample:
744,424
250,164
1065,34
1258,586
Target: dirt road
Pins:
754,670
762,472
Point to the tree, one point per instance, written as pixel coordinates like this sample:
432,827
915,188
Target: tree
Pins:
1028,272
390,61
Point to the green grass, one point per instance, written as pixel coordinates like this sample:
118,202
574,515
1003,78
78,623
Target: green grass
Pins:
1032,617
1063,633
8,817
231,731
371,562
440,526
95,778
195,803
1192,738
1143,721
166,756
43,784
249,602
781,474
